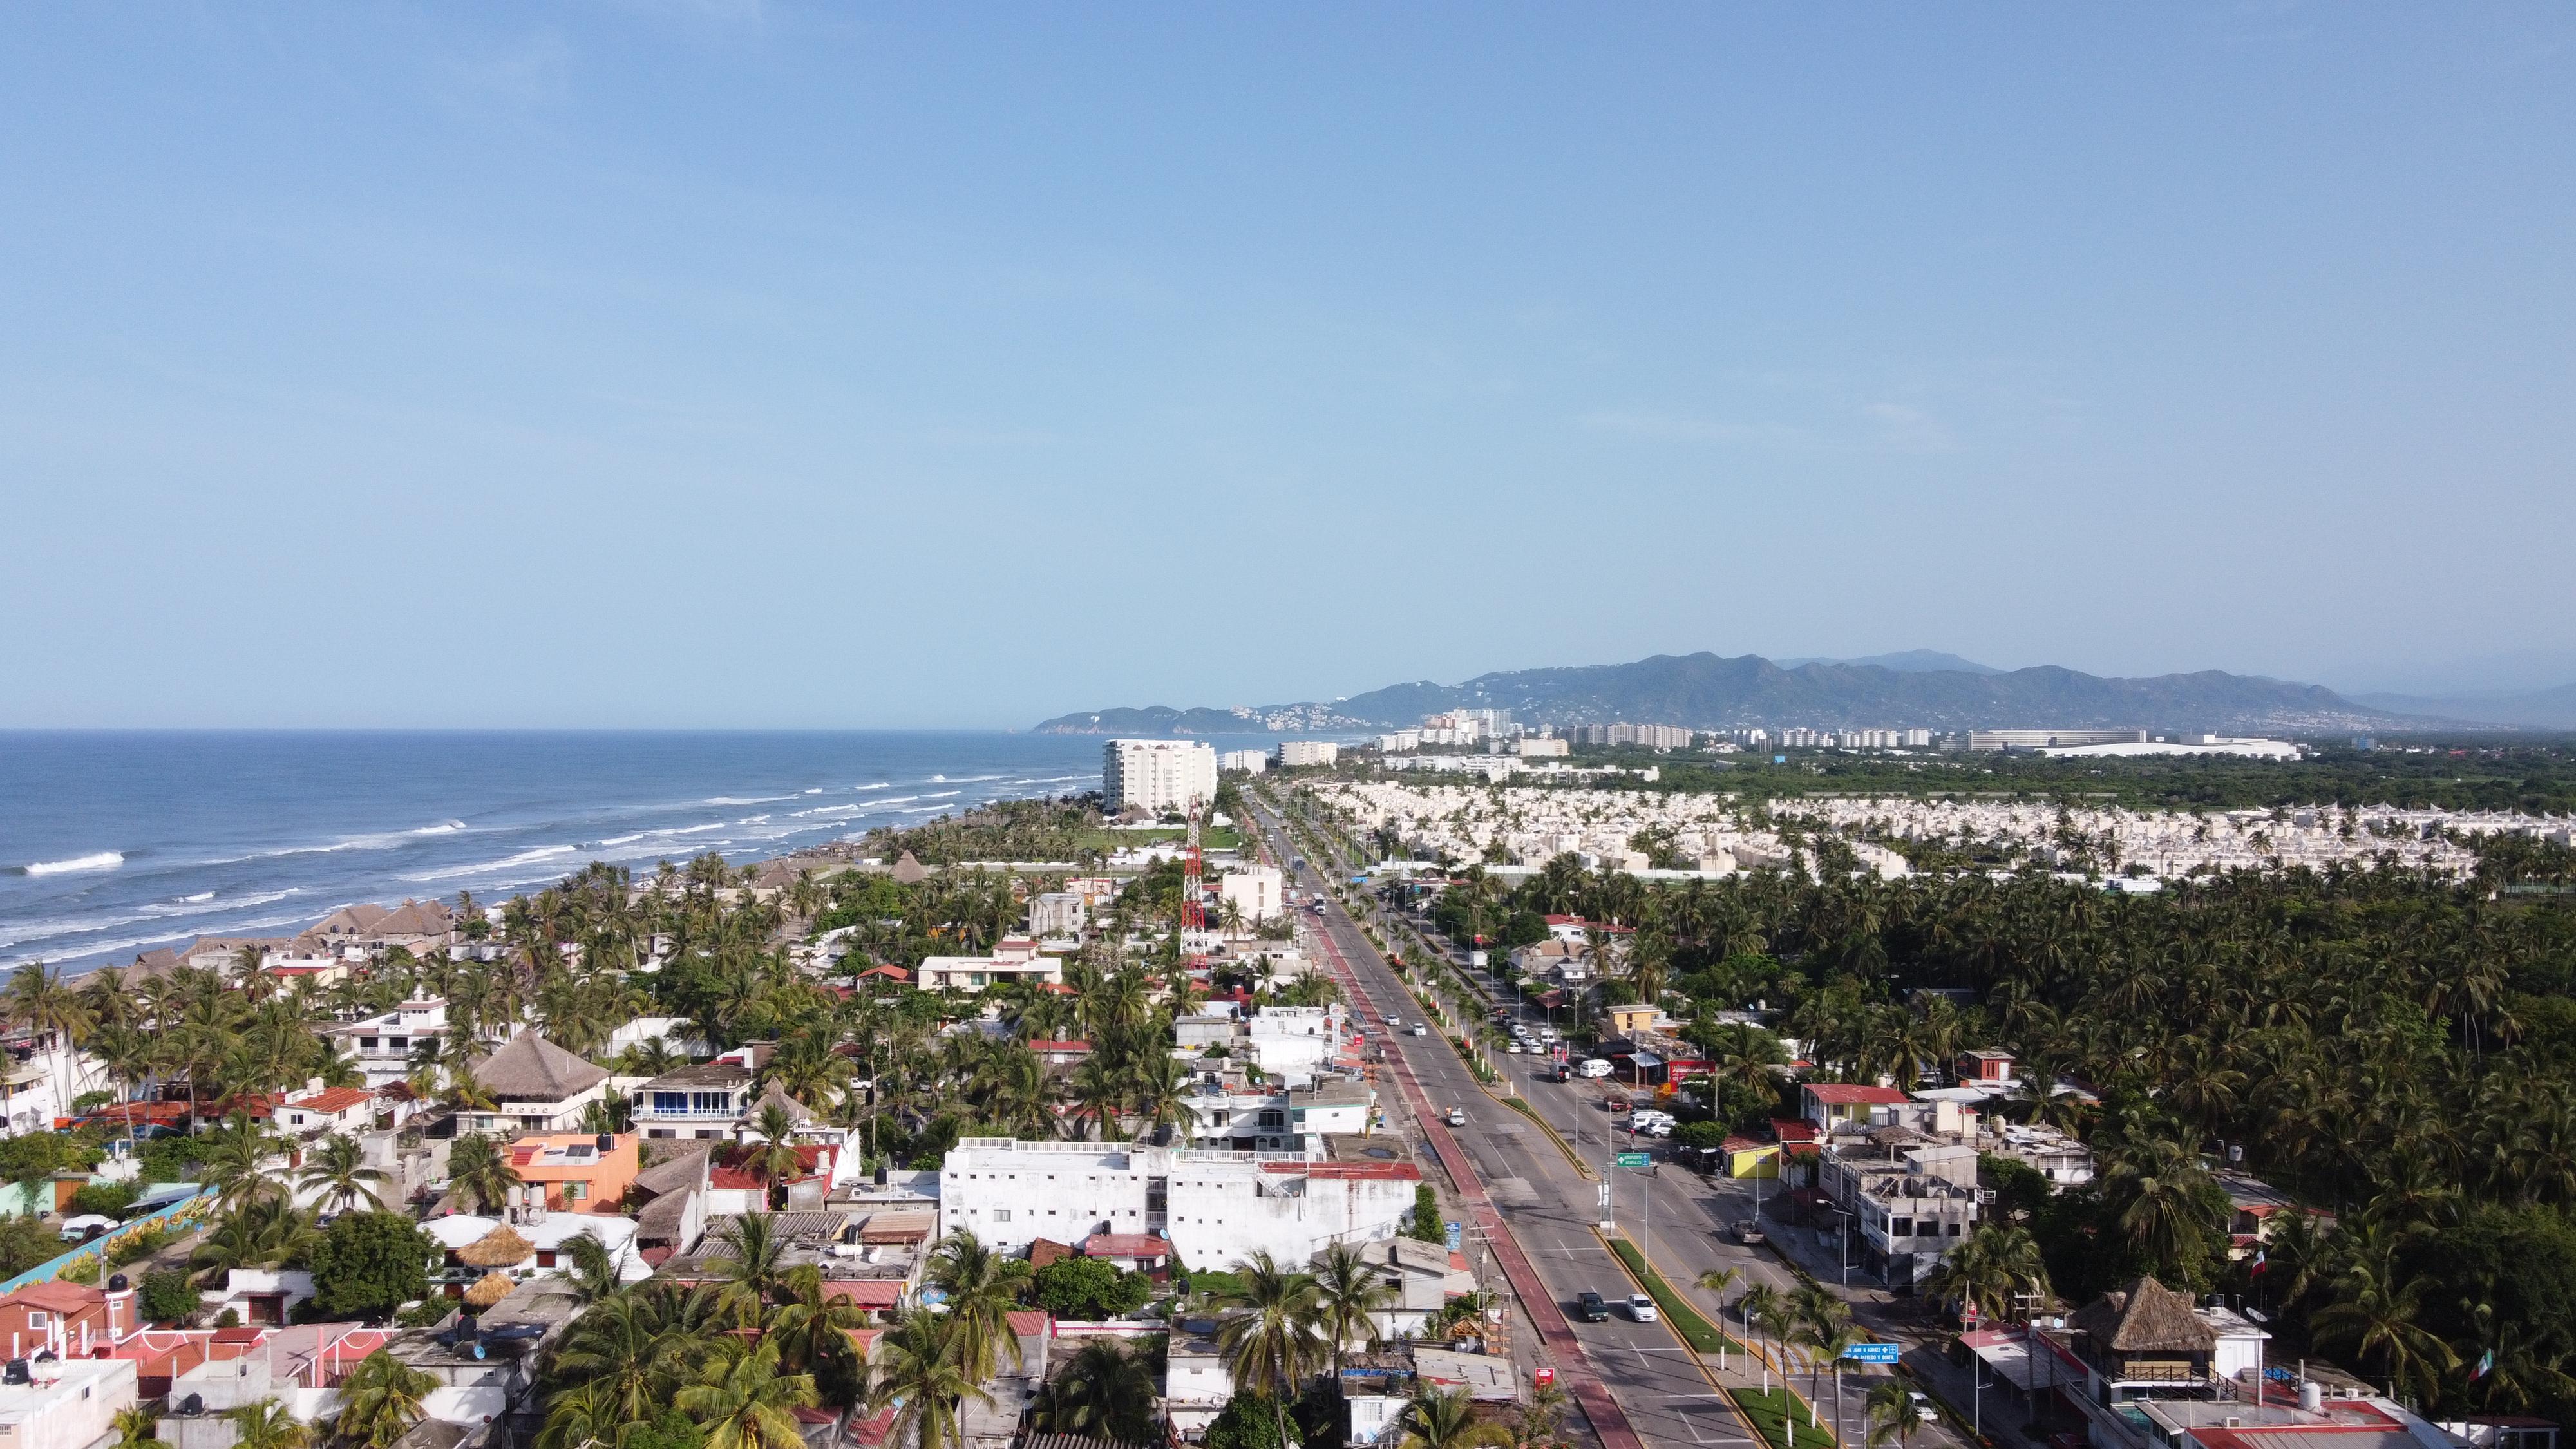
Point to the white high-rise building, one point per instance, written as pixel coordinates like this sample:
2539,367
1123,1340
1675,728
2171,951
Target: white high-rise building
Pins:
1157,775
1250,762
1307,752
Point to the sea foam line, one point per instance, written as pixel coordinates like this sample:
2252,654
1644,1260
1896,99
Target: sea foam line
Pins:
101,860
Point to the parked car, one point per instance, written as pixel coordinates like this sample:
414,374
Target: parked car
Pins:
1591,1307
1747,1231
1641,1308
1595,1067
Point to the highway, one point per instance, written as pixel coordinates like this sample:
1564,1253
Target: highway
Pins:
1550,1210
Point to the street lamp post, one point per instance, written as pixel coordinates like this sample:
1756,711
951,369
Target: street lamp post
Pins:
1847,1216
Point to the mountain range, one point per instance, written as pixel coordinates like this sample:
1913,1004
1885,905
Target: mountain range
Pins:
1917,689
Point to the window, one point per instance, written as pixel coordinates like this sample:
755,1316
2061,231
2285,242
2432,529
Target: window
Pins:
1001,1215
545,1260
1954,1229
36,1321
1900,1227
710,1101
576,1192
670,1101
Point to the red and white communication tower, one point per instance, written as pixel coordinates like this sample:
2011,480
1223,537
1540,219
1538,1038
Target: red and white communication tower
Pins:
1193,912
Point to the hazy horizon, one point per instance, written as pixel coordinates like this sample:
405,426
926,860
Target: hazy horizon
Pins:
668,364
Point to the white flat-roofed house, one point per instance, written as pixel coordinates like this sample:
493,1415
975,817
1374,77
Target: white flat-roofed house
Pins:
382,1045
1055,914
1296,1042
1014,960
68,1403
535,1086
1259,892
1282,1121
1216,1207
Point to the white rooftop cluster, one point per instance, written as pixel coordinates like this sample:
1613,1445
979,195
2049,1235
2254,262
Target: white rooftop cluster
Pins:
1532,826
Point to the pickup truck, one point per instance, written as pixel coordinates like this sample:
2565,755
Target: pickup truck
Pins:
1747,1231
1591,1307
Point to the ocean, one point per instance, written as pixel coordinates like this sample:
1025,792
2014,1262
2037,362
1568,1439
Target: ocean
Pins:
112,842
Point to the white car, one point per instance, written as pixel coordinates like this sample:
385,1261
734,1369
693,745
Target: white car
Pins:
1420,1030
1641,1308
1457,1117
1547,1034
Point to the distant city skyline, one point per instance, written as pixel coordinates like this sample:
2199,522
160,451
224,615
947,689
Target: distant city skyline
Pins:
729,364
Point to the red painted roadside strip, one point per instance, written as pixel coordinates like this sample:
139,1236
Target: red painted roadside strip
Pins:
1608,1419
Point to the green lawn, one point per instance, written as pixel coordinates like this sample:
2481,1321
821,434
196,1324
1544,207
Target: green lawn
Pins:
1775,1413
1696,1331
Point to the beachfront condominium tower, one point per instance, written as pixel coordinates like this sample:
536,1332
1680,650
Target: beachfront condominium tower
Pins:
1157,775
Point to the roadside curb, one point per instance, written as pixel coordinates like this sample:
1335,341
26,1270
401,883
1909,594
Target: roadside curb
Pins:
1752,1432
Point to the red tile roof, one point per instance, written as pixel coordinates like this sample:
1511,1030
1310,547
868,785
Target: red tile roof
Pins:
1032,1323
57,1297
332,1099
865,1292
1126,1245
1059,1046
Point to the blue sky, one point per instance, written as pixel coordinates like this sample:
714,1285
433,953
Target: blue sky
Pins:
730,363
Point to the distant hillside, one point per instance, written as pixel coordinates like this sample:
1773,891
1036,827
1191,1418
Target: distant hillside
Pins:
2546,709
1705,691
1909,661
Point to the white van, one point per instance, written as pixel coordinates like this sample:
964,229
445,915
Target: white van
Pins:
1593,1067
1547,1034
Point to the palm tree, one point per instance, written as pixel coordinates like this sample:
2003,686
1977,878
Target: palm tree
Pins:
1542,1418
1349,1294
1434,1420
810,1329
268,1425
752,1267
1890,1413
596,1270
380,1401
1269,1335
775,1161
631,1351
43,1002
1105,1391
2375,1314
1764,1312
918,1371
1990,1267
1716,1281
982,1287
479,1172
264,1233
337,1173
234,1161
134,1429
744,1402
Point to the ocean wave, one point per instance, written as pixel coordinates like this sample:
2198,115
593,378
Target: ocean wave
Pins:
744,799
942,794
817,790
624,839
198,899
753,820
486,867
102,860
880,785
383,840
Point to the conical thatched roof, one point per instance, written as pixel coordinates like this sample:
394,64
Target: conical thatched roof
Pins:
500,1248
2146,1317
797,1112
908,871
489,1289
534,1069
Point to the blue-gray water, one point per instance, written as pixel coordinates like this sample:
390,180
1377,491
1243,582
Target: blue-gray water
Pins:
115,841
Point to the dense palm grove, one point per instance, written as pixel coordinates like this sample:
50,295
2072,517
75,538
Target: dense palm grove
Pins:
2396,1051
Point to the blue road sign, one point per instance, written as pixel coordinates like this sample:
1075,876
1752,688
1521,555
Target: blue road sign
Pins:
1874,1352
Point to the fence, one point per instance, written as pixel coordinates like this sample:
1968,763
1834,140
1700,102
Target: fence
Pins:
185,1211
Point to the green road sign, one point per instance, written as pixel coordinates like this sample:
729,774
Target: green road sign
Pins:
1632,1159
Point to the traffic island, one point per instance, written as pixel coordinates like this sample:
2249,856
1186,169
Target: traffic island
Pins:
1780,1417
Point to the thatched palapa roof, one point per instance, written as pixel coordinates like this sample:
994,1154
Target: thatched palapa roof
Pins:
908,871
489,1289
2146,1317
533,1069
500,1248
